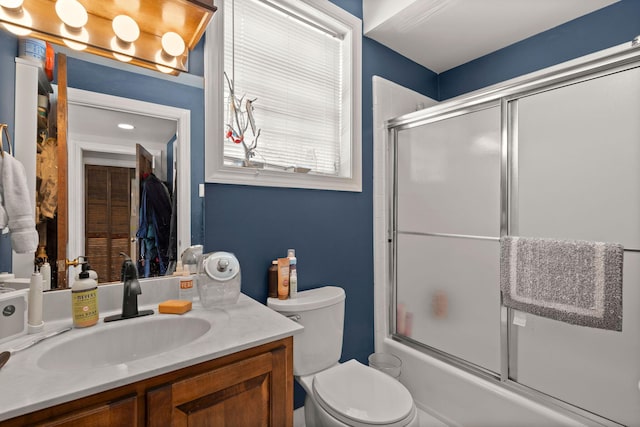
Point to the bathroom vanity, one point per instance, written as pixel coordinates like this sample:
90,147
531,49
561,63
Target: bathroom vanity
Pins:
246,388
231,366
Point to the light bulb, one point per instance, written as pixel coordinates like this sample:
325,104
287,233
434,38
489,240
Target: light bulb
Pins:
173,44
125,28
11,4
163,65
76,40
120,51
72,13
22,19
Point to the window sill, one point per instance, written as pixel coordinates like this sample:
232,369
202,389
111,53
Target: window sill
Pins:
278,178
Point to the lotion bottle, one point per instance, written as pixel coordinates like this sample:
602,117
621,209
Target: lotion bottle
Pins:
185,282
293,273
283,278
84,297
185,292
34,322
293,278
273,279
45,270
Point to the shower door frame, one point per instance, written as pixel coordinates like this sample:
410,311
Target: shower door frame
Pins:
505,96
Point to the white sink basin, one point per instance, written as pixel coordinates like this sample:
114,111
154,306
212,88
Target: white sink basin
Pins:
123,341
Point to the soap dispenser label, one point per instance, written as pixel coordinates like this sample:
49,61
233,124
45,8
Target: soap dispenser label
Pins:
85,307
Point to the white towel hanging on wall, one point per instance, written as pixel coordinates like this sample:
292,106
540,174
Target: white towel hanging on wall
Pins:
16,212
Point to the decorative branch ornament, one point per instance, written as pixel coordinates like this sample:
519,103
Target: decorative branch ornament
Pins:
239,122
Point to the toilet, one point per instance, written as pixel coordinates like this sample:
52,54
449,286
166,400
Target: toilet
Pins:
339,394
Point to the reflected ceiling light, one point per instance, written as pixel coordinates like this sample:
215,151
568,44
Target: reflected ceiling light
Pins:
125,28
173,44
126,126
11,4
72,13
20,17
75,39
120,51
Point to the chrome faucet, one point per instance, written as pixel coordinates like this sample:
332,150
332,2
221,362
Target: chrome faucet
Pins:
130,291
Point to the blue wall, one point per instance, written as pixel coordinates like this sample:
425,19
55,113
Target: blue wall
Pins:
331,231
97,78
604,28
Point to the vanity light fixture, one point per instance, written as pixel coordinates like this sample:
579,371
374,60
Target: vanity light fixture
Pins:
130,31
126,126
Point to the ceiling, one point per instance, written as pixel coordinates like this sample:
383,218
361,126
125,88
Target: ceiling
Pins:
438,34
442,34
103,123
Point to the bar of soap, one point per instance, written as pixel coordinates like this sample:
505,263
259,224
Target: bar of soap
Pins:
174,306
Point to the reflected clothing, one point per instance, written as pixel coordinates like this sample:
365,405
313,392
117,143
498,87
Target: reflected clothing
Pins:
173,234
154,226
47,182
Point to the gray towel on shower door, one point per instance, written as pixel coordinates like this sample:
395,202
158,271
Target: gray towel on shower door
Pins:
574,281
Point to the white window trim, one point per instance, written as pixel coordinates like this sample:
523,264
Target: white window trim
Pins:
217,172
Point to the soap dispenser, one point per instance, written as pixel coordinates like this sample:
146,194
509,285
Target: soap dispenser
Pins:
84,296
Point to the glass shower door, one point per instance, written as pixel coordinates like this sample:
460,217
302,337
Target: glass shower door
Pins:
447,230
578,173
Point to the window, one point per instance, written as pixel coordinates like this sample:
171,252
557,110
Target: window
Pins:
299,63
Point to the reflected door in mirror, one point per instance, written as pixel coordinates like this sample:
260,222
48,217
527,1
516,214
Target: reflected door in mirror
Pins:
108,198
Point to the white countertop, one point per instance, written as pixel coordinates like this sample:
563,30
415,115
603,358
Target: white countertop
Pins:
26,387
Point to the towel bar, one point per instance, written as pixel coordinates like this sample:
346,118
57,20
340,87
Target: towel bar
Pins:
469,236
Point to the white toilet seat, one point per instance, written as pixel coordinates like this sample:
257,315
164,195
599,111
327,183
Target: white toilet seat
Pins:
360,396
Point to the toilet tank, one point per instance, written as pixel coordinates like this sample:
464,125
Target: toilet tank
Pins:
321,312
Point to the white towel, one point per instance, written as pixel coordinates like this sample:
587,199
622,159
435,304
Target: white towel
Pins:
4,218
17,213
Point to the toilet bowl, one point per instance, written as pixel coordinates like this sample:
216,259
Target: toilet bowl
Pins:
339,394
352,394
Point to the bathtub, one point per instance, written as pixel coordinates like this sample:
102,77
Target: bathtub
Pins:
459,398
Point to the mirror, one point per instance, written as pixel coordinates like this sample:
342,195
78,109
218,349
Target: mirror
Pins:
103,216
104,78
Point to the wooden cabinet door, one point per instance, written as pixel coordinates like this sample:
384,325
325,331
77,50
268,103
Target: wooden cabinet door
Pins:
252,388
122,412
249,392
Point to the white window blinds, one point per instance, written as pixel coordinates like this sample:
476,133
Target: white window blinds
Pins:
293,67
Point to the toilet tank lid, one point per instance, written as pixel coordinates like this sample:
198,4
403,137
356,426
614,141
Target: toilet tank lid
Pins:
308,300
